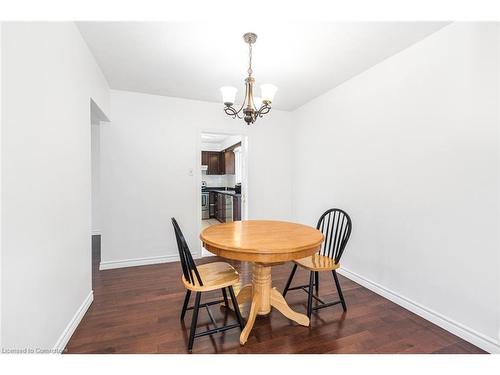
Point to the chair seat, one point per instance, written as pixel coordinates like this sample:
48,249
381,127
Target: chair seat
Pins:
214,276
317,262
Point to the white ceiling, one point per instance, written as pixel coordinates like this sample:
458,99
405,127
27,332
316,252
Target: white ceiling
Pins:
193,60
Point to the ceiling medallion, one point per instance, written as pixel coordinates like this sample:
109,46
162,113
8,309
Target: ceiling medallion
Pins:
252,107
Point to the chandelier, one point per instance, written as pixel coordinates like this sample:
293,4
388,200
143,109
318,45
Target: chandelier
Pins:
252,107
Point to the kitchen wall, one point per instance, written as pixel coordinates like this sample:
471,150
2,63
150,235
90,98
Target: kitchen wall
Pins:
148,154
48,80
225,180
410,148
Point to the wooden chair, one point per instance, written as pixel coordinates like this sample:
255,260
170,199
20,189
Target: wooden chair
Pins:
205,278
335,225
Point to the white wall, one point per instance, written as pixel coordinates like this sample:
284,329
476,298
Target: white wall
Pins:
96,177
146,154
410,149
48,77
1,184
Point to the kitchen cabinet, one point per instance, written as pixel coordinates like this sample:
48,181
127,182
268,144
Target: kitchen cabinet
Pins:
229,162
222,163
211,204
219,162
236,208
220,212
227,207
213,162
204,158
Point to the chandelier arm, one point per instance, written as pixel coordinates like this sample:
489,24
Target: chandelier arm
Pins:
230,111
244,101
263,110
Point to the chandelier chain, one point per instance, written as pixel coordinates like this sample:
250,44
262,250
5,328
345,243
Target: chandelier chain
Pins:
250,71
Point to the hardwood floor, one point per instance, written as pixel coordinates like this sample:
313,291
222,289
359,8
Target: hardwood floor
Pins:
136,310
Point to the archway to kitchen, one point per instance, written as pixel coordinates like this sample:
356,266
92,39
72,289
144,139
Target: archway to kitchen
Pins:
223,171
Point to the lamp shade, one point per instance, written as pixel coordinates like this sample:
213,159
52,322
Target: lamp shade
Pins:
267,92
228,94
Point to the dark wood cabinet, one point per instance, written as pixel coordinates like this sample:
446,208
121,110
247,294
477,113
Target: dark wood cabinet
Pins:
213,162
220,211
218,162
204,158
236,208
211,204
222,163
216,204
229,162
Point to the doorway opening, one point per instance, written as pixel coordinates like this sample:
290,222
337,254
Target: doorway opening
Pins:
97,117
223,170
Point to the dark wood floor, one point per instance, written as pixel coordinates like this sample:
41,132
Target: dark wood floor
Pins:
136,310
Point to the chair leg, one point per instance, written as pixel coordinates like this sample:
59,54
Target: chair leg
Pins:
224,294
316,282
236,307
310,295
194,321
339,290
185,305
289,280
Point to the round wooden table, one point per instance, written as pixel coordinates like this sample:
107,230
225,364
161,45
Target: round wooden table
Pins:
264,243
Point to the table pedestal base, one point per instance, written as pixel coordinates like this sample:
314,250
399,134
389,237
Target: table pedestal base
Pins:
262,296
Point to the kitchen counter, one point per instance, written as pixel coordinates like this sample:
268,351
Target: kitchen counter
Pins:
221,190
213,188
227,192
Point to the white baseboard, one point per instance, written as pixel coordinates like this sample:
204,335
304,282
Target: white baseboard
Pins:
71,327
482,341
112,264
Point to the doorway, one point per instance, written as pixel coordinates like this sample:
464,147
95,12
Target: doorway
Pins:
223,171
97,117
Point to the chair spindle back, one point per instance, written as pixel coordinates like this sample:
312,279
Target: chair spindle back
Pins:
187,262
335,225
